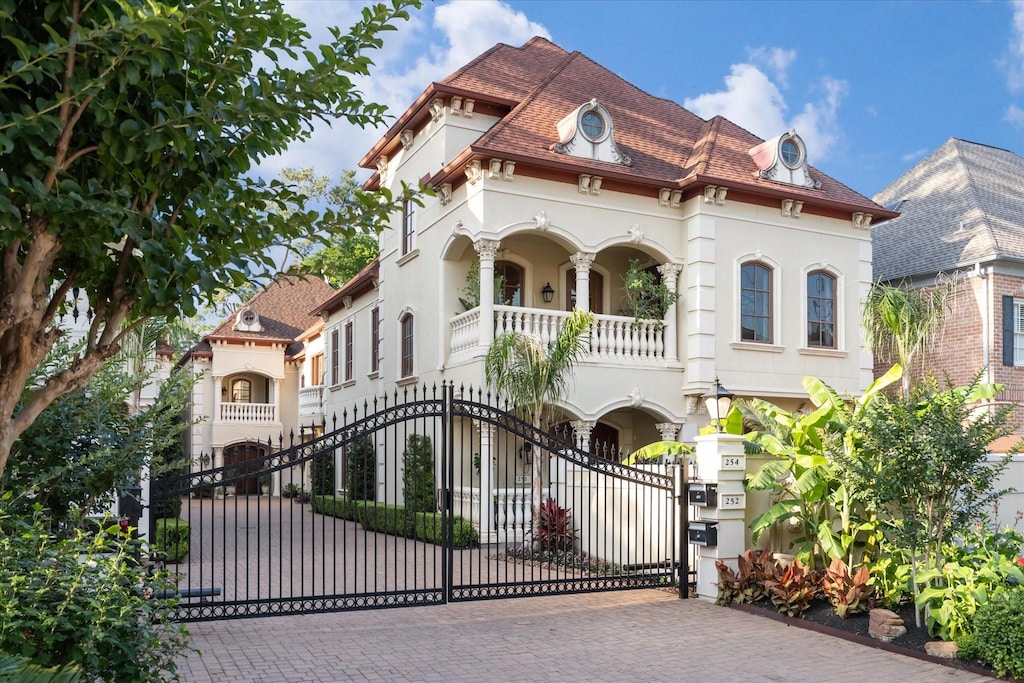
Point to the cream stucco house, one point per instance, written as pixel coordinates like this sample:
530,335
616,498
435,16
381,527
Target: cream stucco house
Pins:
552,175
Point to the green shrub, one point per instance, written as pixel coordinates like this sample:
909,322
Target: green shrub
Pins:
79,601
361,469
396,520
22,671
167,508
290,491
321,474
171,540
418,474
998,637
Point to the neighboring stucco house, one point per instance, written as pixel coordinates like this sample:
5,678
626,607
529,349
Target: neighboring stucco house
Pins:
962,212
254,377
552,174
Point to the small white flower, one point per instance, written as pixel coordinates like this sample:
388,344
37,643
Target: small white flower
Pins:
91,564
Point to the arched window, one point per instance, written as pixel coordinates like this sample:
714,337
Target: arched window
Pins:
510,292
821,310
407,345
756,302
241,391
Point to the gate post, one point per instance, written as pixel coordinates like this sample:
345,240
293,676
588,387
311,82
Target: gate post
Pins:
722,463
487,525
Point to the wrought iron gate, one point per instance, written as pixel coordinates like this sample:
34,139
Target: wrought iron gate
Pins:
424,497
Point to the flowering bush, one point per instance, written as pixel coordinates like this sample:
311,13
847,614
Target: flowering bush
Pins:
82,601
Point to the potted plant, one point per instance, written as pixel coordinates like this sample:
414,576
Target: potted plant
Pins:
266,480
647,297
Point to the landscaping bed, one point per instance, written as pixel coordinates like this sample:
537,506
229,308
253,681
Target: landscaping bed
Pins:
821,618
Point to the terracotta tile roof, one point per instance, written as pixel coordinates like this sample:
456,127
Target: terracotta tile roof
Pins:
361,283
507,72
959,205
285,309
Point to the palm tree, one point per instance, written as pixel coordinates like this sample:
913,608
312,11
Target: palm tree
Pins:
899,322
531,374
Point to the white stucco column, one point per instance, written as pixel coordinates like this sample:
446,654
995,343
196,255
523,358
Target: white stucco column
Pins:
582,262
669,430
488,533
487,250
721,461
277,401
218,383
582,430
670,277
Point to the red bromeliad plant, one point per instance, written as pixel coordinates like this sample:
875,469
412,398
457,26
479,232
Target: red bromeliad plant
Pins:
554,530
793,590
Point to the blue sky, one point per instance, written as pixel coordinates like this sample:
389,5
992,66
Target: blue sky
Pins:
871,86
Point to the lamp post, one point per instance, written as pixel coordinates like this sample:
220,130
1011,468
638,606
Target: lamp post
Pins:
718,401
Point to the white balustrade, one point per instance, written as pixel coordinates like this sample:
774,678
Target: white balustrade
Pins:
512,508
613,338
248,412
311,400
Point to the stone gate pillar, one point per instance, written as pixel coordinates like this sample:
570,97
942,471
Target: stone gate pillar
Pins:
487,527
720,462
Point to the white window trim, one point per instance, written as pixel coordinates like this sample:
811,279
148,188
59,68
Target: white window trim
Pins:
1018,331
777,340
407,311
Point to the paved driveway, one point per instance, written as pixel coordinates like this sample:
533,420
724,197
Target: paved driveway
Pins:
641,635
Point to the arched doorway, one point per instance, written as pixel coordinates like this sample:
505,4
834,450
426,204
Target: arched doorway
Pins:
245,457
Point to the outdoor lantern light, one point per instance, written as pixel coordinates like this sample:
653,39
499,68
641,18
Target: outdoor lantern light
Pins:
548,293
718,401
526,452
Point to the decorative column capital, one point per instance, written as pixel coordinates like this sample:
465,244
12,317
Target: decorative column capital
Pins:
582,261
670,272
487,248
669,430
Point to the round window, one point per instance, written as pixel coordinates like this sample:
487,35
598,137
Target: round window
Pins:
248,316
593,125
790,153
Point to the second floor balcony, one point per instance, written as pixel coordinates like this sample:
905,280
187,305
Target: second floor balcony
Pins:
311,400
248,412
613,338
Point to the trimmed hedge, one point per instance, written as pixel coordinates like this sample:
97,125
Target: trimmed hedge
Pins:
172,539
396,520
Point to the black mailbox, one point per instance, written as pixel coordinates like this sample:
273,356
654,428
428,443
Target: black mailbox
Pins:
703,533
704,495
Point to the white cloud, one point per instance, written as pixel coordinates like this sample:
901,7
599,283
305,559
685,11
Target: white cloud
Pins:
1014,115
753,100
1015,62
915,155
438,40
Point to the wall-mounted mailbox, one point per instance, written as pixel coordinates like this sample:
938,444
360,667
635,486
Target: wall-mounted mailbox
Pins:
704,495
703,533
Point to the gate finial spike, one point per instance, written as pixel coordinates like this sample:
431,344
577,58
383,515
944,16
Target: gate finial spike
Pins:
334,422
291,438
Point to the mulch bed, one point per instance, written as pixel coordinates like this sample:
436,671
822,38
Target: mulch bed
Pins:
821,617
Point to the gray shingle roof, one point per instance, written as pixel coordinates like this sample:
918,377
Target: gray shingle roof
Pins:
961,204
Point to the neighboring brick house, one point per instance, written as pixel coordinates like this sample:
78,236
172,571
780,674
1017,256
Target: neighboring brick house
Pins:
552,174
254,384
962,211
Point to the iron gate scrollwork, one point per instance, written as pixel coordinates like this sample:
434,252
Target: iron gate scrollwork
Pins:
421,498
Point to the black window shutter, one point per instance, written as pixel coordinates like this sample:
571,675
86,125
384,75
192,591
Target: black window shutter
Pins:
1008,316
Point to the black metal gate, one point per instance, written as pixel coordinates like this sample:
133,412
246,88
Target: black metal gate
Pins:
426,497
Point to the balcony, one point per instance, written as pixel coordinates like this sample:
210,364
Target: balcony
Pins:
613,338
248,412
311,401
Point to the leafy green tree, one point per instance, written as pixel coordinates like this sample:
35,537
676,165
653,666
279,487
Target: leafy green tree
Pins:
129,136
418,475
321,474
532,374
923,459
361,469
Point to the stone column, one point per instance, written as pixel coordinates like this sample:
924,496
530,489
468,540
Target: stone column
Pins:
487,250
277,401
669,430
582,262
581,431
488,532
670,276
720,460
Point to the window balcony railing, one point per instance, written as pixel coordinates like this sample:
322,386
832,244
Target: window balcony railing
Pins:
248,412
613,338
311,400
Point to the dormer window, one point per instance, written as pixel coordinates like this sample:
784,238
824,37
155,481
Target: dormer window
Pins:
248,321
784,160
588,132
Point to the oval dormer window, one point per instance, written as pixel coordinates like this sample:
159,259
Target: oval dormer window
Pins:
593,126
790,153
249,317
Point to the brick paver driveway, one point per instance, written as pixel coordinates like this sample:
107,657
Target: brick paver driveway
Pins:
639,635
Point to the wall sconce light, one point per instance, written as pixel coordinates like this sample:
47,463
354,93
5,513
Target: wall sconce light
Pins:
205,459
718,401
526,453
548,293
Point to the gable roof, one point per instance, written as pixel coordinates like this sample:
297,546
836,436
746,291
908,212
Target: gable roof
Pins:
669,146
285,308
959,205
